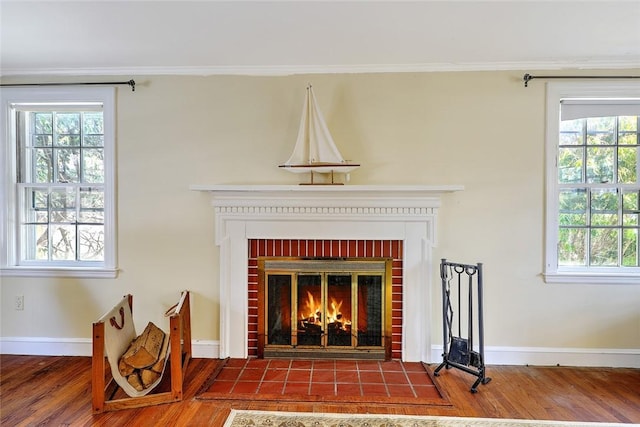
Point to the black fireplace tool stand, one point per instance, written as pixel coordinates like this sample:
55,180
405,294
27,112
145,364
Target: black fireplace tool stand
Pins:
462,291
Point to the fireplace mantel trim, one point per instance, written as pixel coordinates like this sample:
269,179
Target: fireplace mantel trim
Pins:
406,213
394,203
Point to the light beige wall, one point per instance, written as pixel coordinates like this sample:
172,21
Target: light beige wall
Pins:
483,130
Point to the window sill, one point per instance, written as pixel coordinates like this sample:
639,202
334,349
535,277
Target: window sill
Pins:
585,278
80,272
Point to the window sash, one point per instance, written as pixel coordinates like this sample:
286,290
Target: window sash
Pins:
556,93
50,218
61,99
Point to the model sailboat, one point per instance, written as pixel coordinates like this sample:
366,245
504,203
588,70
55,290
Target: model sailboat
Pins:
315,151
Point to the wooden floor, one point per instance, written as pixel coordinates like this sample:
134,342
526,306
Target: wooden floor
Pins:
56,391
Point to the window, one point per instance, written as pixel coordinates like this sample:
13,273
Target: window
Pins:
58,210
593,183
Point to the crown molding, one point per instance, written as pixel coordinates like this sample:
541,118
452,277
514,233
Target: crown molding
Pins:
284,70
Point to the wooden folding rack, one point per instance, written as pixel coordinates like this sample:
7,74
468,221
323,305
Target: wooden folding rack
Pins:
104,387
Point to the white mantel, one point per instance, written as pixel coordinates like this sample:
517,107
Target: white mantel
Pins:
358,212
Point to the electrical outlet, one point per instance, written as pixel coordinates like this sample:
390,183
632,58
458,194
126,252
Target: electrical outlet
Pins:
19,302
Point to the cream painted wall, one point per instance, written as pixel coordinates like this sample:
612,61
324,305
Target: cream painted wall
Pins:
483,130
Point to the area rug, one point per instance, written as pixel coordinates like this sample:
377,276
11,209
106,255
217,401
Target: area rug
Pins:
239,418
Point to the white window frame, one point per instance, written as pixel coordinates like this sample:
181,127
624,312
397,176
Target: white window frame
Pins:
10,264
580,275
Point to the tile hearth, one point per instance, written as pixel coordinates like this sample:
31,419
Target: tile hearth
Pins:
343,379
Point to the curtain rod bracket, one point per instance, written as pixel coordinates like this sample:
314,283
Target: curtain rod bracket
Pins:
526,79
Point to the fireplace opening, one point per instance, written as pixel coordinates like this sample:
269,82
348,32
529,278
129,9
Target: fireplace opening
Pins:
324,308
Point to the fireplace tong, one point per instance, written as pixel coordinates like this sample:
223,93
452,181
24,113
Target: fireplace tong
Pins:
459,351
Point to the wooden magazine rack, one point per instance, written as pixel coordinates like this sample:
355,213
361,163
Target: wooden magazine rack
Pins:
107,394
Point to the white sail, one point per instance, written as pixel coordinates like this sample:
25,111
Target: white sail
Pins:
315,150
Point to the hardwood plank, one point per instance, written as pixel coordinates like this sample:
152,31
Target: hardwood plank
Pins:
40,390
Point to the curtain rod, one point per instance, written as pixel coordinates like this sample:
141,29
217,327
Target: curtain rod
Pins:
131,83
528,77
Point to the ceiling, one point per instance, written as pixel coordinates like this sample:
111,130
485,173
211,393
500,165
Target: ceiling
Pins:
54,37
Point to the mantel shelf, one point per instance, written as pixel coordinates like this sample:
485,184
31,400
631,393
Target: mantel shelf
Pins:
382,191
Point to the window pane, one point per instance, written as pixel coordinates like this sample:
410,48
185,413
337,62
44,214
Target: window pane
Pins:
63,205
571,138
35,238
573,207
601,130
627,138
604,246
631,208
93,141
36,206
571,125
600,164
630,248
91,206
571,247
93,165
42,123
63,242
91,240
63,216
39,198
570,165
572,132
42,140
604,207
68,140
43,165
628,123
93,124
627,165
33,216
68,123
68,163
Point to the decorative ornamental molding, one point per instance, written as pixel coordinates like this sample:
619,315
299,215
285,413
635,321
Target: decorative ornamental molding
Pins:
330,211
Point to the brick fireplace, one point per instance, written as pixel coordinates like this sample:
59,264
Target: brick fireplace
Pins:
327,222
333,251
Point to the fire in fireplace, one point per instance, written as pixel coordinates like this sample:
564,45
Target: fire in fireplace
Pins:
338,308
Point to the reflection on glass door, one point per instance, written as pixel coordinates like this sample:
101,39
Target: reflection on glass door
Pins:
370,310
279,309
339,309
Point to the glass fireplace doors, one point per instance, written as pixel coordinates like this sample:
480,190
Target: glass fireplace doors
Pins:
324,308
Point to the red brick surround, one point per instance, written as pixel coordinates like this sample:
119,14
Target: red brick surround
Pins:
327,248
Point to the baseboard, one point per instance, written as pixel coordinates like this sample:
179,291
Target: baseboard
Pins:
45,346
553,356
209,349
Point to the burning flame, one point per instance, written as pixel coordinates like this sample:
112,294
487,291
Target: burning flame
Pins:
313,311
